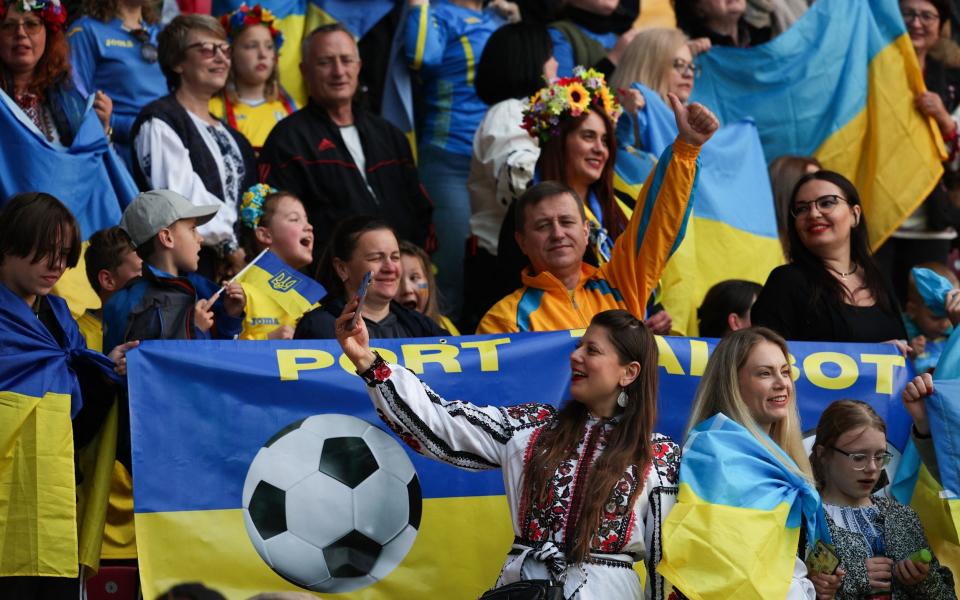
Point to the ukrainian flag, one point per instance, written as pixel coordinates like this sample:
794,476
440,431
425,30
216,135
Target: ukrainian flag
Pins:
39,394
732,217
277,294
736,525
838,85
87,177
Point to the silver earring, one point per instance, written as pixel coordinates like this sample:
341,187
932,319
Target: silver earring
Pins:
622,399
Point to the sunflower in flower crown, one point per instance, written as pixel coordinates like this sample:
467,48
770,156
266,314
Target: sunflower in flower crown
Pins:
573,96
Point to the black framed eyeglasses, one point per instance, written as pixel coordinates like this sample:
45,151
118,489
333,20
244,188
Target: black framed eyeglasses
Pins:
859,459
148,50
825,204
926,17
31,27
683,67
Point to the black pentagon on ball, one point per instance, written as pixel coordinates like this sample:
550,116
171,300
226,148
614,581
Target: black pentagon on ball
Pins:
268,511
348,460
283,432
415,498
353,555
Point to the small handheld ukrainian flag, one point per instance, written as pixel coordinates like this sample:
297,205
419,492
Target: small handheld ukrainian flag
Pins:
277,295
736,525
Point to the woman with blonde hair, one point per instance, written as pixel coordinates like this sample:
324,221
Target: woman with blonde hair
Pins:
661,59
748,381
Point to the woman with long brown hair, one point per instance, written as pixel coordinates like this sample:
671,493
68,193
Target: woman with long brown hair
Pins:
588,484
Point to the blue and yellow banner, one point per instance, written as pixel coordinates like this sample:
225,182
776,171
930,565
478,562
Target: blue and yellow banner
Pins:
839,85
204,412
733,215
277,295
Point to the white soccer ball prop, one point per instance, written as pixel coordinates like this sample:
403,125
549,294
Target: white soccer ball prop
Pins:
332,503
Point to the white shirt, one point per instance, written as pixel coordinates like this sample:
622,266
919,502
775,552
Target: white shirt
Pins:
504,157
166,165
352,140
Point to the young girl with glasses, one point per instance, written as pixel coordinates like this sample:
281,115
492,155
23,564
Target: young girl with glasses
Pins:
874,536
253,101
113,49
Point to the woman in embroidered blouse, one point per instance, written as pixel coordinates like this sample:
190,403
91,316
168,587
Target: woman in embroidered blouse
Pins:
35,70
874,535
179,145
253,100
588,484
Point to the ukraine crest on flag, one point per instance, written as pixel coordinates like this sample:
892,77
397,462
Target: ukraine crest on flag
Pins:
277,295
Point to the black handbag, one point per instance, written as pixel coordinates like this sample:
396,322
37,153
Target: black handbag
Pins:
529,589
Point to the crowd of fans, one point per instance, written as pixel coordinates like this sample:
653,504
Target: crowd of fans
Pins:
504,216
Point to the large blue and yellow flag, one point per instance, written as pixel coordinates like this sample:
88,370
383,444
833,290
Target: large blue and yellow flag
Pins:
838,85
229,442
87,177
736,525
277,295
39,394
733,215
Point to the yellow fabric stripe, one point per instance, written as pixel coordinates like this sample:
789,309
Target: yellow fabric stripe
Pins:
458,552
37,486
939,518
468,55
715,552
75,289
96,463
711,252
421,35
635,273
894,166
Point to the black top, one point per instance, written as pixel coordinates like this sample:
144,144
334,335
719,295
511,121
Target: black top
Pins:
785,306
306,155
202,162
747,35
320,323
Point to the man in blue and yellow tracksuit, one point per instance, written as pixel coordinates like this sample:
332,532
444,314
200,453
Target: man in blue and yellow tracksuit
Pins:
559,290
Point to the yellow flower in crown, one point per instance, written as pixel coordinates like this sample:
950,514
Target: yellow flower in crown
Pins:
578,97
568,97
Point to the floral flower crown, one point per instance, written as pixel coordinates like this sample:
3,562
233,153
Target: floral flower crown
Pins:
251,204
53,14
245,16
574,95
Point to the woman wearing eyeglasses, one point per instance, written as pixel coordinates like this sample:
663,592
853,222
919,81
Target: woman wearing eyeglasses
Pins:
35,71
113,49
874,536
179,145
832,290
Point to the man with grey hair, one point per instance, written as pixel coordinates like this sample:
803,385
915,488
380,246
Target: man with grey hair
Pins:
339,158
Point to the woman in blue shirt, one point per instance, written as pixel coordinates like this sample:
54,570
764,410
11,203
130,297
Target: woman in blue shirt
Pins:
114,49
443,42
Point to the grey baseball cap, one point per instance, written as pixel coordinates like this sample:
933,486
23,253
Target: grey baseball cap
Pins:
152,211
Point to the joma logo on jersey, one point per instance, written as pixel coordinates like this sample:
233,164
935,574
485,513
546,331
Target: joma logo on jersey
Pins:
283,281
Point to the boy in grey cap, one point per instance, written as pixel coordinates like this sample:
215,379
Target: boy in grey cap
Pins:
170,300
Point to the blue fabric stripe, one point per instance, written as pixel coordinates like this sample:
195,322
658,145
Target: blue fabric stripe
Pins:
529,302
307,288
651,197
602,286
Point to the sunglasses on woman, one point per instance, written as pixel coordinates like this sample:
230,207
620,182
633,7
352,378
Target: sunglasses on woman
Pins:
148,50
209,49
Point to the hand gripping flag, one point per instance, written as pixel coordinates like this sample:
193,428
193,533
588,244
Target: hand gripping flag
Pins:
736,525
839,85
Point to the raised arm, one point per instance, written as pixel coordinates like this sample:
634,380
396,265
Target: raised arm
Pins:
457,433
663,208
